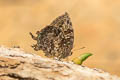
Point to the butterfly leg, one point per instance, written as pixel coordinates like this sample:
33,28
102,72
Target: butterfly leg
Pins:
56,58
33,37
35,47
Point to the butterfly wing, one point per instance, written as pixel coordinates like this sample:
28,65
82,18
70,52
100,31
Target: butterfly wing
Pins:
66,37
56,39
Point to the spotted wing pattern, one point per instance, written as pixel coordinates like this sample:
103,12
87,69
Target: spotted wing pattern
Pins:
56,39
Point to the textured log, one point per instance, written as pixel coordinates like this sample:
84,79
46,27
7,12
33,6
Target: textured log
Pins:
16,64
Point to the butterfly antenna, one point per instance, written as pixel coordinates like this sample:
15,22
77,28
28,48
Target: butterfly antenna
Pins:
33,37
78,49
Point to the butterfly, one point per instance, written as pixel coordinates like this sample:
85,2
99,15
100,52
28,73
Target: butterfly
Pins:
56,40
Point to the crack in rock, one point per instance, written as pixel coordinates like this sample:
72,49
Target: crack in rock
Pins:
17,76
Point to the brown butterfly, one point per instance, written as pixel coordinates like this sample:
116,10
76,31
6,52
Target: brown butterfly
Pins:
56,40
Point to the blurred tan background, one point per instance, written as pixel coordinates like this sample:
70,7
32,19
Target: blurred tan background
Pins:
96,25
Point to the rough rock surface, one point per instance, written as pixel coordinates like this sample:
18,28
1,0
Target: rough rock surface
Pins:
16,64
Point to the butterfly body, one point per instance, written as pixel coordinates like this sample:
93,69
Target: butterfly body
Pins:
56,39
